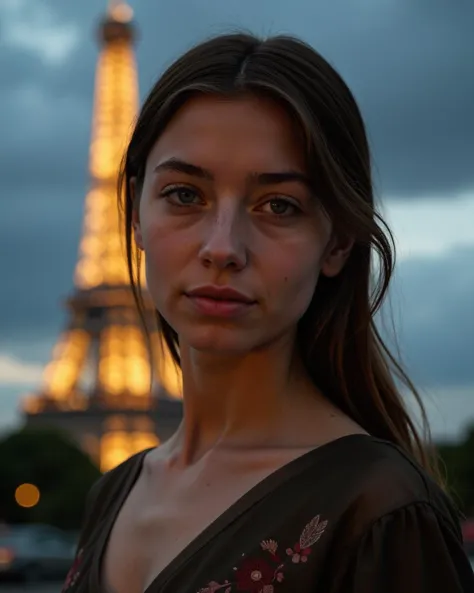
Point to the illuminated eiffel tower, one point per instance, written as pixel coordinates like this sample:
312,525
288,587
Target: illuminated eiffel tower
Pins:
98,385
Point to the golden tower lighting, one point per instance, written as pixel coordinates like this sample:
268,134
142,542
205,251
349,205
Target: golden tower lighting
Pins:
97,386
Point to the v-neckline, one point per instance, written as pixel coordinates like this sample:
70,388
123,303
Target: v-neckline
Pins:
249,499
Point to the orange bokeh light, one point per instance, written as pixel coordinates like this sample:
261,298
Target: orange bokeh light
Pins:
27,495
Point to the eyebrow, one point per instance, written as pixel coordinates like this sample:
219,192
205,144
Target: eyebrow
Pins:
275,178
180,166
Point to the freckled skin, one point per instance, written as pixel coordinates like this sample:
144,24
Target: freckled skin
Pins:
227,230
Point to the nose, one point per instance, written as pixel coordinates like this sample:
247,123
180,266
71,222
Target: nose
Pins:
224,241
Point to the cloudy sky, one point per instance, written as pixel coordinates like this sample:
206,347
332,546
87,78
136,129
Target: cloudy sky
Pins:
411,66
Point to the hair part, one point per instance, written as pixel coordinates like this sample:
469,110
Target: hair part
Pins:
337,338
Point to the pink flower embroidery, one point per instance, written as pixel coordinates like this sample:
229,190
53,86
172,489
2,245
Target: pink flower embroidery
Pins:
262,575
297,554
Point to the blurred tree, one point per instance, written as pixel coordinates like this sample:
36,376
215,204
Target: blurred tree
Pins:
458,460
60,470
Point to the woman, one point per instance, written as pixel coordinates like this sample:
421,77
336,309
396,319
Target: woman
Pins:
296,468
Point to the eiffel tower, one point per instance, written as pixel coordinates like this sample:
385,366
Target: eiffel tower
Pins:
98,385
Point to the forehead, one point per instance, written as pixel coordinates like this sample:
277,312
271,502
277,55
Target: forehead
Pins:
255,132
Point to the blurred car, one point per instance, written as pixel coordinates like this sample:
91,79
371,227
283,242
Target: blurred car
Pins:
33,552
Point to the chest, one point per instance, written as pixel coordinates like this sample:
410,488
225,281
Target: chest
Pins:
159,521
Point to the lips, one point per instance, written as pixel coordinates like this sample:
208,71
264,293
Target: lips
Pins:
219,301
220,293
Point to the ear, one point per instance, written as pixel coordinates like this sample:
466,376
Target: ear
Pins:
136,213
336,255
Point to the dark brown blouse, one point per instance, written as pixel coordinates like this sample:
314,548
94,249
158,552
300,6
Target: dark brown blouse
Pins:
353,516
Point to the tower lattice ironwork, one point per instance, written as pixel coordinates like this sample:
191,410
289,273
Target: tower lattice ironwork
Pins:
97,386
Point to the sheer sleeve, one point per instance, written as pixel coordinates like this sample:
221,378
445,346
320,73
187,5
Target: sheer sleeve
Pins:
412,550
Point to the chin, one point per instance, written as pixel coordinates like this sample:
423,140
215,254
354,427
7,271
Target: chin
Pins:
226,341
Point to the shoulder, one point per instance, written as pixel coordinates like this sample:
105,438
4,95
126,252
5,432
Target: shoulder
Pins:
108,489
116,476
394,526
380,480
104,497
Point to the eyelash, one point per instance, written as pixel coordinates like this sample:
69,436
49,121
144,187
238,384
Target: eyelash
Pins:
169,191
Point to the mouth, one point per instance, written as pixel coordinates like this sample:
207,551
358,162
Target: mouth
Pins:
220,293
219,301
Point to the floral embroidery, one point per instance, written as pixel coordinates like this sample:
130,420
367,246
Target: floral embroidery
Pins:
73,573
253,575
261,575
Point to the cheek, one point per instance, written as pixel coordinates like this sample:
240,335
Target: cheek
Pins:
294,284
161,252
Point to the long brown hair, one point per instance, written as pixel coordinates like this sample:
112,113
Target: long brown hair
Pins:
339,343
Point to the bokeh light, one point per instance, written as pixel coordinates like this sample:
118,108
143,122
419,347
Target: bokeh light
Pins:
27,495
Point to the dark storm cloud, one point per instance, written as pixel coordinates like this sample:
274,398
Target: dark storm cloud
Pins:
38,249
44,138
433,307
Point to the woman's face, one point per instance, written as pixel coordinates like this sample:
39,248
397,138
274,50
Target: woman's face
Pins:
225,204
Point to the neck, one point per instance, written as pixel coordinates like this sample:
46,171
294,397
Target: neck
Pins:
245,401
